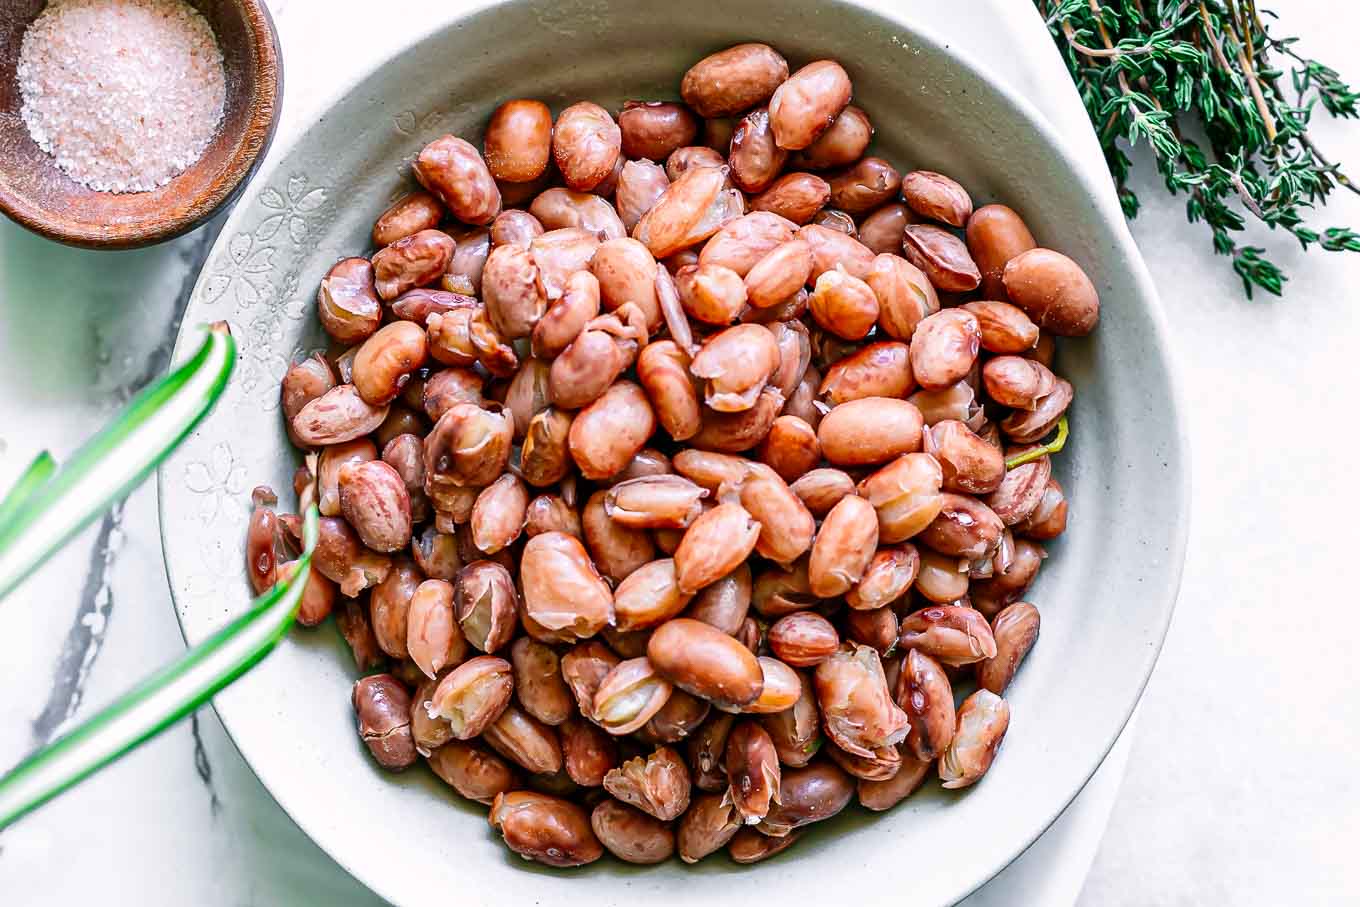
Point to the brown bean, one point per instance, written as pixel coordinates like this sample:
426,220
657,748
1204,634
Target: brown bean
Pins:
567,317
627,273
690,157
1017,382
692,209
383,708
739,431
588,753
513,288
472,695
807,795
870,430
796,196
808,102
413,212
936,196
677,719
318,596
844,545
585,145
958,402
648,596
453,170
995,235
905,494
791,448
983,719
778,591
498,514
472,772
778,275
735,365
965,528
905,295
968,464
924,693
544,457
754,158
463,274
883,229
866,185
605,435
1020,491
706,827
588,366
713,546
375,501
858,712
1054,291
558,254
347,301
337,416
832,249
628,696
559,208
469,446
653,129
752,771
518,140
705,749
658,784
1048,519
432,640
261,561
630,834
385,361
1015,629
655,502
711,294
952,634
617,550
524,740
877,370
841,144
843,304
803,639
711,470
742,243
302,383
546,829
514,227
410,262
584,668
875,628
724,603
549,513
822,489
1004,328
787,526
640,184
663,369
796,731
705,662
944,348
436,553
942,256
561,588
942,579
882,795
1027,427
838,220
733,80
887,578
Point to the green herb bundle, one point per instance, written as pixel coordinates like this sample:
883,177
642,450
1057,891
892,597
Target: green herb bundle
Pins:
1155,70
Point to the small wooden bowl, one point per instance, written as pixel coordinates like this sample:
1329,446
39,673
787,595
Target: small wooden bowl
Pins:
39,196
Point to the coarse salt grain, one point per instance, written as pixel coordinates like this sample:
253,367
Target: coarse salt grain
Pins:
124,94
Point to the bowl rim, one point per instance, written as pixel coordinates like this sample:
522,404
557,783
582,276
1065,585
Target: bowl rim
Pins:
1101,193
262,120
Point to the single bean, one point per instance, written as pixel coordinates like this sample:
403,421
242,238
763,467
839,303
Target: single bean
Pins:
924,692
713,546
1048,519
968,464
723,604
983,719
936,196
952,634
844,545
705,662
807,795
318,597
513,288
518,140
787,527
743,242
1021,490
711,294
803,639
561,588
544,456
463,274
567,317
905,295
1017,382
877,370
942,256
584,668
472,772
677,719
498,514
733,80
958,402
453,170
627,272
905,494
640,184
944,348
585,145
658,784
882,795
1054,291
383,708
822,489
1015,629
514,227
875,628
347,301
995,235
413,212
778,591
469,445
843,304
806,104
337,416
559,254
559,208
1004,328
606,434
374,500
791,448
692,209
870,430
655,502
525,740
752,771
735,365
778,275
706,827
648,597
630,834
888,577
838,220
841,144
858,712
588,753
690,157
866,185
1027,427
617,550
432,640
754,158
965,528
832,249
546,829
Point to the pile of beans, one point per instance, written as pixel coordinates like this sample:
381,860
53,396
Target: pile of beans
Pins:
676,467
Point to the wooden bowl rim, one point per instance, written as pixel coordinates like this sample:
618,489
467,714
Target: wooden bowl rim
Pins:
249,151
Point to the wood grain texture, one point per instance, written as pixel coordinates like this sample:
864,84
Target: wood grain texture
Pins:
36,194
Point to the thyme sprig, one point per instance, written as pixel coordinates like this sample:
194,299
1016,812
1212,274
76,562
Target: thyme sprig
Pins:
1154,70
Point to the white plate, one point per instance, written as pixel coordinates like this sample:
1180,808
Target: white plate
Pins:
1106,594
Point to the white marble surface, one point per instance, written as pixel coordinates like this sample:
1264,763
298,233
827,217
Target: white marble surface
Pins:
1216,806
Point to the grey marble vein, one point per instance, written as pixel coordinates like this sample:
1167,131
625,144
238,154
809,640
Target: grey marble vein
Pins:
202,766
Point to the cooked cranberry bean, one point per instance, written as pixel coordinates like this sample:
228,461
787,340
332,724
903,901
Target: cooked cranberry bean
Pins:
887,578
410,262
863,187
832,249
1054,291
606,434
733,80
714,545
347,301
585,145
942,256
640,184
706,662
754,158
905,494
1015,630
454,171
743,242
546,829
995,235
791,448
983,720
808,102
693,208
518,140
630,834
1005,328
562,590
803,639
876,370
841,144
1048,519
413,212
473,773
514,227
944,347
1027,427
807,795
844,545
384,715
870,430
844,304
822,489
936,196
711,294
559,208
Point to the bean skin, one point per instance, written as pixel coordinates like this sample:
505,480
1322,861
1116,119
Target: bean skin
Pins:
518,141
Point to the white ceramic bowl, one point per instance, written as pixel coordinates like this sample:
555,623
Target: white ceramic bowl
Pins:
1106,593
